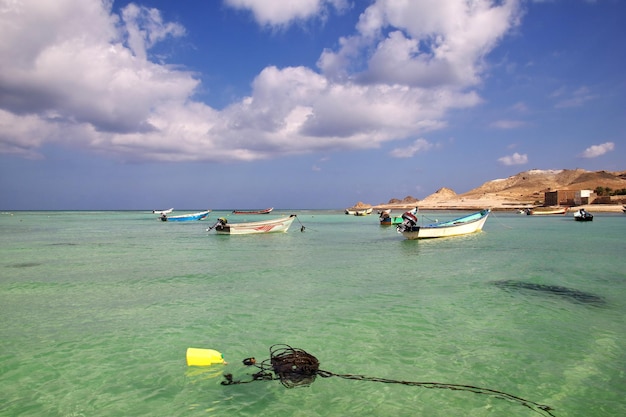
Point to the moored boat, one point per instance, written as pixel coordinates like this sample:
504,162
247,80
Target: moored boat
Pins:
161,212
544,211
583,215
461,226
386,219
364,212
264,211
185,217
223,227
360,209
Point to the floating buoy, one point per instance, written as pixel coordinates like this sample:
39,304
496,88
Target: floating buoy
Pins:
204,357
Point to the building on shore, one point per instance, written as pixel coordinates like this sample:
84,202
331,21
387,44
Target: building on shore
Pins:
569,197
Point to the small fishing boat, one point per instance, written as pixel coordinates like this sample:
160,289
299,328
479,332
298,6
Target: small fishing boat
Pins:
282,224
185,217
386,219
264,211
360,209
544,211
583,215
364,212
162,212
463,225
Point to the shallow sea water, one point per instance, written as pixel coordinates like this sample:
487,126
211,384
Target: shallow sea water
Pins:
98,309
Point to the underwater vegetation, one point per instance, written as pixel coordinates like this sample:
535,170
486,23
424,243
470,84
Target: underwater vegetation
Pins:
566,293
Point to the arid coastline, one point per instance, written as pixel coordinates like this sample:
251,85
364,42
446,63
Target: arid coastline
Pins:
525,190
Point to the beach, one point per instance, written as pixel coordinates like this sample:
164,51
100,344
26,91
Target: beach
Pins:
493,204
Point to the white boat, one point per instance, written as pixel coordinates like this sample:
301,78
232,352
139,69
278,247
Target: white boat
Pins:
363,212
360,209
185,217
282,224
583,215
162,212
463,225
546,211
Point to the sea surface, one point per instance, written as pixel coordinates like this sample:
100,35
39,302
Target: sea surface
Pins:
99,308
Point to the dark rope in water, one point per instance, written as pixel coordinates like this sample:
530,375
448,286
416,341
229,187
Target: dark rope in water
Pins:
302,227
298,368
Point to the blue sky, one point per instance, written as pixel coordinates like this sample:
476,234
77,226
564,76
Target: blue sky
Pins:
318,104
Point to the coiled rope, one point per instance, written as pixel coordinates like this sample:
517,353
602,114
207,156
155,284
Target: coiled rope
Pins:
298,368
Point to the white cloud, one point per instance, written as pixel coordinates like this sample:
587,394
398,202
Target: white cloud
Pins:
508,124
73,72
598,150
420,145
515,159
576,98
146,28
280,12
428,43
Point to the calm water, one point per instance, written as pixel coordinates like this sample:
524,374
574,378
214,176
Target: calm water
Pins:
98,309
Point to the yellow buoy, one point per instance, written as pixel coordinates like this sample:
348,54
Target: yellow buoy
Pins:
203,357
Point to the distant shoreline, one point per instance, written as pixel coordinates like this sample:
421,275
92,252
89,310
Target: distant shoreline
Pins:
495,205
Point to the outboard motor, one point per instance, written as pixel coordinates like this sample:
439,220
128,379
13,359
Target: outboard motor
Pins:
409,220
220,223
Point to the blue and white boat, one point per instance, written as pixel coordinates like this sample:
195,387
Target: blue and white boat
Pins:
185,217
463,225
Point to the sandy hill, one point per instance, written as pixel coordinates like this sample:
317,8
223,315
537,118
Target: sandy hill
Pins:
441,194
525,188
531,185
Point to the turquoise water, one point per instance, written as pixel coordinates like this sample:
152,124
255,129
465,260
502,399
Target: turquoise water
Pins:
98,309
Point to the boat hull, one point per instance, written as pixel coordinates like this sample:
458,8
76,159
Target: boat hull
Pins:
461,226
390,221
186,217
583,219
359,211
546,211
266,211
280,225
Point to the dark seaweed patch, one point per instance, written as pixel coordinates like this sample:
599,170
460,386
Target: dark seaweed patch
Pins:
24,264
569,294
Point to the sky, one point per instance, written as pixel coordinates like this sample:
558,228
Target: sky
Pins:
306,104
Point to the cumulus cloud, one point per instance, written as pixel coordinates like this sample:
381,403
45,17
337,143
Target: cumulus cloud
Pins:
423,43
280,12
420,145
146,28
515,159
73,72
598,150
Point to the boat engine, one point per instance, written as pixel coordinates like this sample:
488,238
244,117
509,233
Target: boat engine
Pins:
409,220
220,223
